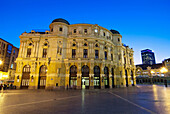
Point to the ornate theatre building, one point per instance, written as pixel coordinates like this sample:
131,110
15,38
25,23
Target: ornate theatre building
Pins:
74,56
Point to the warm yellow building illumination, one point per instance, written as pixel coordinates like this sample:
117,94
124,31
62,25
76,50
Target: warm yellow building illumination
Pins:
0,62
152,71
74,56
164,70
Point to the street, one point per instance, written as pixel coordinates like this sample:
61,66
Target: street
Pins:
140,99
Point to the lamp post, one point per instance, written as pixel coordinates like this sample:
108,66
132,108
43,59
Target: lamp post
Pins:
0,62
152,76
164,70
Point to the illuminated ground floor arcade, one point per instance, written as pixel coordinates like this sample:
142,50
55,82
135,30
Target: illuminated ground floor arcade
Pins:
73,76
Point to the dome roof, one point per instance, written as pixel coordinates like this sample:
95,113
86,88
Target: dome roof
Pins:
61,20
114,31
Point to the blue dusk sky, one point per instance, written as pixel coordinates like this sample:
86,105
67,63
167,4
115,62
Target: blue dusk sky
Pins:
142,23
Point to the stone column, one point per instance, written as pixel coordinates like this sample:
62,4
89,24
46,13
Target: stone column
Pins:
24,50
79,75
110,77
102,76
67,76
21,49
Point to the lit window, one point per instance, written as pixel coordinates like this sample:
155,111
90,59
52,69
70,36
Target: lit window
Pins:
11,65
95,30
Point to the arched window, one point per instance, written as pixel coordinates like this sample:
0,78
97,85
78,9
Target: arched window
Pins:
27,69
43,69
73,71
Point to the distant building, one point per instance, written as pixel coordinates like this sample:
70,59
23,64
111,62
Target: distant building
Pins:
144,70
166,63
148,57
8,55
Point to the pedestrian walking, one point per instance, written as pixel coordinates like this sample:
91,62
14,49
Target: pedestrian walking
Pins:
165,82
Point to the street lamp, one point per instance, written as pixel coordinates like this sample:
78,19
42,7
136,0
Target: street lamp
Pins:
152,76
164,70
0,62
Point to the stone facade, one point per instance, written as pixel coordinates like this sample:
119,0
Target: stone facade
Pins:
8,55
74,56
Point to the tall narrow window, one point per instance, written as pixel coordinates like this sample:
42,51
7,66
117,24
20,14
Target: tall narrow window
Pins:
104,34
73,53
75,31
85,53
131,61
85,31
60,29
44,53
105,53
28,52
96,54
111,57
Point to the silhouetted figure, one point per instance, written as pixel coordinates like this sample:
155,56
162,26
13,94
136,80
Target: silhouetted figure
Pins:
165,82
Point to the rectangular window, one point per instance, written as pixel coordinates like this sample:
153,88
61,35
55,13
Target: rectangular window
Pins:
75,31
131,61
85,31
96,54
85,53
44,53
104,34
111,57
73,53
28,52
105,53
60,29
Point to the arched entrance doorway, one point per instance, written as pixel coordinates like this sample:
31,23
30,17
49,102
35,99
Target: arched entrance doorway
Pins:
42,77
97,77
132,80
106,77
85,77
25,77
73,77
126,77
113,84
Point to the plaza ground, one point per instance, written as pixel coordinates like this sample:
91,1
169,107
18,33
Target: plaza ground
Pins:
139,99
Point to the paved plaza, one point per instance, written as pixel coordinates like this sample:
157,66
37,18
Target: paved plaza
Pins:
140,99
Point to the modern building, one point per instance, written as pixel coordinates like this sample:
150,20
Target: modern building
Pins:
8,55
74,56
148,57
